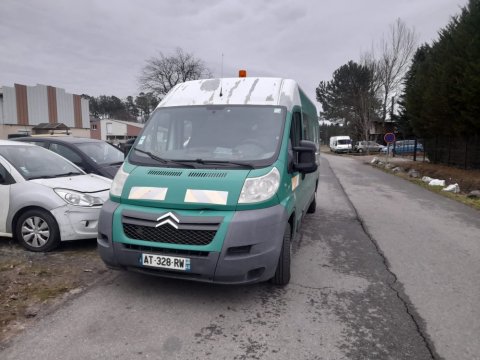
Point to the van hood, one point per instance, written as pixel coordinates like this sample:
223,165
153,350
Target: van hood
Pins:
89,183
180,188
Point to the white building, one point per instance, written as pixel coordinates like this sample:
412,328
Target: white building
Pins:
114,131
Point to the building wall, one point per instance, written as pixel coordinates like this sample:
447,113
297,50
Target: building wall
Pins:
37,103
52,105
85,105
114,130
9,105
133,130
65,108
96,130
25,106
32,105
22,104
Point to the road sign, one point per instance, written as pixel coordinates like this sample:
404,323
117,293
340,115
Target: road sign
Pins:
389,137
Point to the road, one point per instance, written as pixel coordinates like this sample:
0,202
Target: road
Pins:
383,270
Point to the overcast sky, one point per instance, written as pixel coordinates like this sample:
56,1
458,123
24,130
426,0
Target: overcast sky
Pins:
99,47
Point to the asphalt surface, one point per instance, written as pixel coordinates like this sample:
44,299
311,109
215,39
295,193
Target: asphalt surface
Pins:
382,270
432,245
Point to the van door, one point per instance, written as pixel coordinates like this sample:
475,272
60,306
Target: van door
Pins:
298,179
5,184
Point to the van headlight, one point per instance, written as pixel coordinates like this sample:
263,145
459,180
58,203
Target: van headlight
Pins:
78,199
260,188
118,182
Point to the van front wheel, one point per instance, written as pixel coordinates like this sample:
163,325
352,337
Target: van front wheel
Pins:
282,274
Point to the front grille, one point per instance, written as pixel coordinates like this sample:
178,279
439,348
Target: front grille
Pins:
168,234
165,251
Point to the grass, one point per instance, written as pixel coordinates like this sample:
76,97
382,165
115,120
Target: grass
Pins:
468,180
475,203
31,282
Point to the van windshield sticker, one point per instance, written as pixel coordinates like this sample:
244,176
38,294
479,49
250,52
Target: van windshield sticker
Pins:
142,139
206,196
277,111
147,193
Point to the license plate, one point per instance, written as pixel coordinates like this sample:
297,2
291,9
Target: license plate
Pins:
165,262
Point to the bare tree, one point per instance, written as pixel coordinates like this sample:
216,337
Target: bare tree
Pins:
370,100
162,73
396,50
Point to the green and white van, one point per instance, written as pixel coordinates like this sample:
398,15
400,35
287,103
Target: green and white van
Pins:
216,185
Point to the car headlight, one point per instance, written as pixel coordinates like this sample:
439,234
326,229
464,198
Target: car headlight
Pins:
260,188
118,182
77,198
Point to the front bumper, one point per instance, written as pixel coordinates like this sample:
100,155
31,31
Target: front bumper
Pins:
248,252
76,223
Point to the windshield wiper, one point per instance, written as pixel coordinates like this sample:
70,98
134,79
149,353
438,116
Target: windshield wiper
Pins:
162,160
220,162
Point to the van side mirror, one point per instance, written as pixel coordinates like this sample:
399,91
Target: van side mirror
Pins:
307,159
2,179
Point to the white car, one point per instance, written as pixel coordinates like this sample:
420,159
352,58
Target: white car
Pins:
45,198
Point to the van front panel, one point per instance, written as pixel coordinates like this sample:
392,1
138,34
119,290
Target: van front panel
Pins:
243,248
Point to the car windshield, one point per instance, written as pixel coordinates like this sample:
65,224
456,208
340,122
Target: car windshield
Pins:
34,162
211,135
101,152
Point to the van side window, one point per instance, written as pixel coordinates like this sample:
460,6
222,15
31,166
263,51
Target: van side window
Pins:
296,130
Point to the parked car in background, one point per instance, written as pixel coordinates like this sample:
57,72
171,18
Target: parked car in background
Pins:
403,147
407,146
367,146
45,198
91,155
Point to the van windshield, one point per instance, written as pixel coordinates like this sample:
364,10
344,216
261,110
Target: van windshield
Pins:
214,133
344,142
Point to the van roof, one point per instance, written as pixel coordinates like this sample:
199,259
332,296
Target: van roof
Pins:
235,91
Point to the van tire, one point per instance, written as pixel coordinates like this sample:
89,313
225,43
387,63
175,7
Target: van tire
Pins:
313,205
37,223
282,274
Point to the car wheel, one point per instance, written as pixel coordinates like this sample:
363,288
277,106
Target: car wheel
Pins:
37,230
282,274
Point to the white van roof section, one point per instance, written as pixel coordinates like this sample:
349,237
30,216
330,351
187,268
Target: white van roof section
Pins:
234,91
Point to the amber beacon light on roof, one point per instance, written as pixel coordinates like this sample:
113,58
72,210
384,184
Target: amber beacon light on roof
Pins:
242,73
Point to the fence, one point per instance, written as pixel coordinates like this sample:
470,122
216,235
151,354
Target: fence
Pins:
454,151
